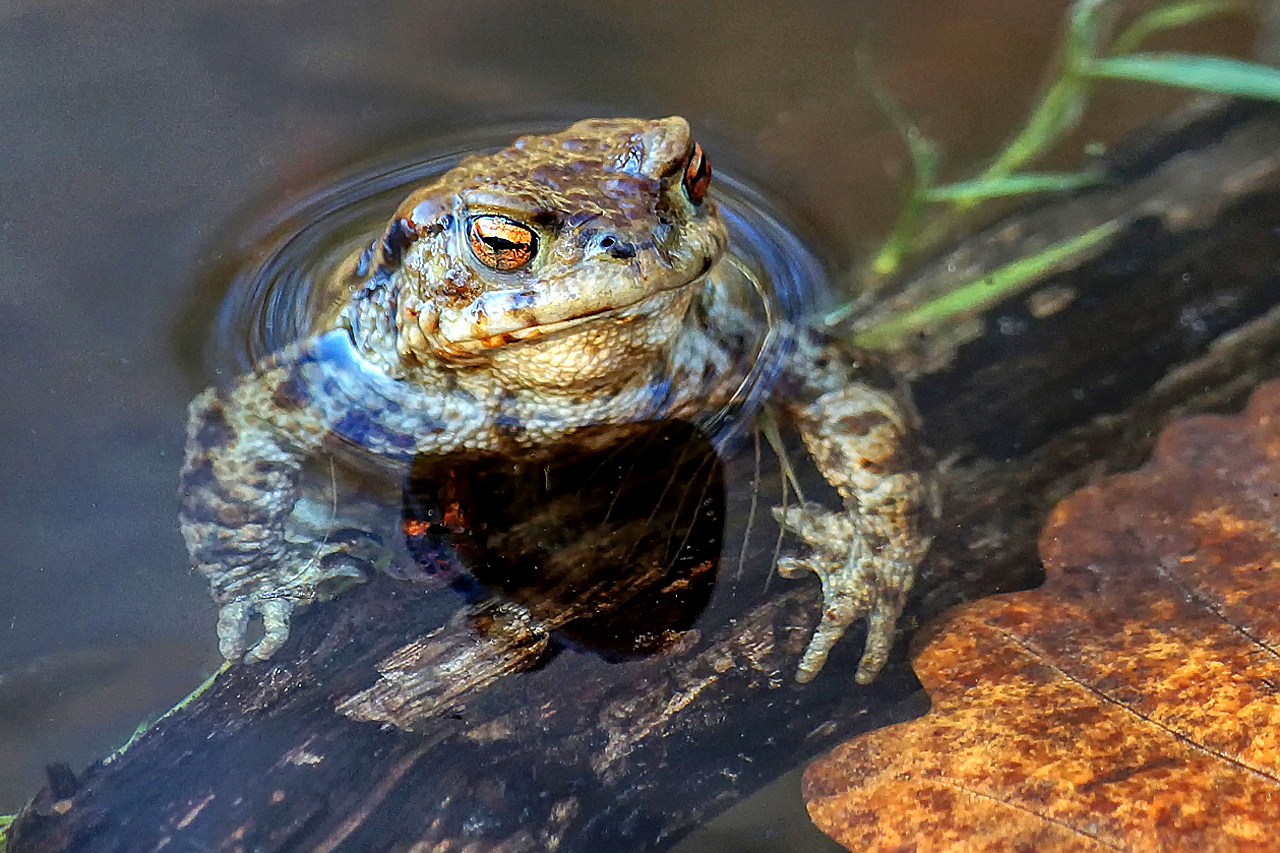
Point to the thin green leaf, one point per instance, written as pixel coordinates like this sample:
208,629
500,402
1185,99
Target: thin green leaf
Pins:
1056,112
981,292
1060,108
1173,15
1205,73
924,162
1085,29
902,239
1021,183
144,725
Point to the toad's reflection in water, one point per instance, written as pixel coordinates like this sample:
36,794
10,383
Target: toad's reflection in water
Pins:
609,543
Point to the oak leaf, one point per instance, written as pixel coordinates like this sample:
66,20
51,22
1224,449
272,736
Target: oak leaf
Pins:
1131,703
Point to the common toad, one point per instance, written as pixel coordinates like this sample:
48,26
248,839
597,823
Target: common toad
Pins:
566,281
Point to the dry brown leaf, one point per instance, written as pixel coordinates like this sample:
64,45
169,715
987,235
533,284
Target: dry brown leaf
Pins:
1131,703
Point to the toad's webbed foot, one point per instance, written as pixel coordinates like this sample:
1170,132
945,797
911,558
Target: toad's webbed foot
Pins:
862,439
331,568
855,583
233,627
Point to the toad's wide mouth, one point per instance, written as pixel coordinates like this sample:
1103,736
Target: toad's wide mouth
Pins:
498,318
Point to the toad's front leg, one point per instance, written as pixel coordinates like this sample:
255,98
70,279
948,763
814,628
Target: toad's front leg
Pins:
862,438
238,487
246,447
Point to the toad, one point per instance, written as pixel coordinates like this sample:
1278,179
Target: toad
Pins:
567,281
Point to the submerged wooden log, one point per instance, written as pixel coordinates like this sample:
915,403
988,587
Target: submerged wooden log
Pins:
407,716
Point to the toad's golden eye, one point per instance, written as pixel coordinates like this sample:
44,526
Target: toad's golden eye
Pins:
500,243
697,175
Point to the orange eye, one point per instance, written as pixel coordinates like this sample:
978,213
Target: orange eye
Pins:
697,175
500,243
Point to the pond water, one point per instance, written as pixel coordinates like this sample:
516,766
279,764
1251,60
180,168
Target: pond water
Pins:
136,137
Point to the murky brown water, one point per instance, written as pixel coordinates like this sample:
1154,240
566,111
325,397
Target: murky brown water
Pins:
134,133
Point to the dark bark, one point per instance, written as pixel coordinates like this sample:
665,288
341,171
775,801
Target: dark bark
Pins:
394,718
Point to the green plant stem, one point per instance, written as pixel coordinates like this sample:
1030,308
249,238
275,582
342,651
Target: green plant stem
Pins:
976,294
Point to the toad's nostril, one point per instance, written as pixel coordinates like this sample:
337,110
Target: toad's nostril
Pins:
619,249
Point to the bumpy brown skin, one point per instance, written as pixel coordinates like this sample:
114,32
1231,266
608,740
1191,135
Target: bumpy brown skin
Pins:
601,310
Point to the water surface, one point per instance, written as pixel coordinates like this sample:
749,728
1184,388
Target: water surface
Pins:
136,137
